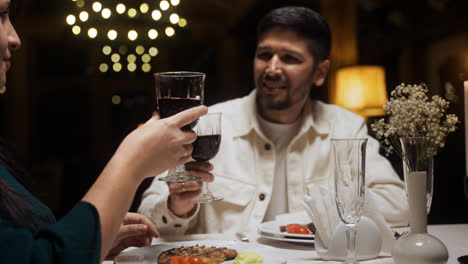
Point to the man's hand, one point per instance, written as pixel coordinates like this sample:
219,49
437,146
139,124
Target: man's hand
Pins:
181,194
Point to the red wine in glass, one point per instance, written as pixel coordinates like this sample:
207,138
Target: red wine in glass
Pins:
171,106
206,147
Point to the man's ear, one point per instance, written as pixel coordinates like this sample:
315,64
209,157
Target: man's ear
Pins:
321,72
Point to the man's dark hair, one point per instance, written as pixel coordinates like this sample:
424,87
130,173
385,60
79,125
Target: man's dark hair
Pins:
304,21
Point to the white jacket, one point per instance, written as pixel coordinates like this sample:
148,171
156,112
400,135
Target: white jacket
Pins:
244,170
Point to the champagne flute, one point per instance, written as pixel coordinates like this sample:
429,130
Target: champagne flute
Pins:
176,92
206,147
349,164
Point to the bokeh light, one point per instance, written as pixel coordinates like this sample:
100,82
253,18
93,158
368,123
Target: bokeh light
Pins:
146,67
106,13
106,50
84,16
132,35
116,99
112,34
153,51
170,31
76,29
120,8
182,22
140,49
131,67
175,2
71,19
103,67
152,33
156,15
92,32
132,12
117,67
164,5
97,6
145,58
115,57
123,49
131,58
144,8
174,18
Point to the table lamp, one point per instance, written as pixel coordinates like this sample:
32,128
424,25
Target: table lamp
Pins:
361,89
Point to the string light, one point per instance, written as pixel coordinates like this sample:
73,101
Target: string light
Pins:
120,8
97,6
71,20
164,5
90,14
92,32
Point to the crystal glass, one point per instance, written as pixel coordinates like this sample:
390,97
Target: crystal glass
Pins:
349,165
206,147
176,92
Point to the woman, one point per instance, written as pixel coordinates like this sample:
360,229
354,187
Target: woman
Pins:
99,224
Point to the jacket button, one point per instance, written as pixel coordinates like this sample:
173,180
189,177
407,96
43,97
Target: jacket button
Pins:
261,197
267,147
164,219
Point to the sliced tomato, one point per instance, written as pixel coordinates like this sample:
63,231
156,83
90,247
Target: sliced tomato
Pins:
297,229
175,260
195,260
183,260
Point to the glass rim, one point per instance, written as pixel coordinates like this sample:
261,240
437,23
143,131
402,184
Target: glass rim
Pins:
179,74
343,139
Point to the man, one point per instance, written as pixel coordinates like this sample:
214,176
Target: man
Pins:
276,141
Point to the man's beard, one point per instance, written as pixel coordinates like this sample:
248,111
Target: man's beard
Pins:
279,105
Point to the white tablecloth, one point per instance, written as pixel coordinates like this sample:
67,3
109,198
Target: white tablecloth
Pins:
455,237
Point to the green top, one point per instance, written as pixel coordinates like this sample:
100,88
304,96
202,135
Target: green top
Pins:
74,239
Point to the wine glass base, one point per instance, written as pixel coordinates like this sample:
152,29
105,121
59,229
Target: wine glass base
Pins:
183,178
207,198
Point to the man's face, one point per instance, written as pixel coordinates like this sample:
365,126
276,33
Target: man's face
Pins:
283,69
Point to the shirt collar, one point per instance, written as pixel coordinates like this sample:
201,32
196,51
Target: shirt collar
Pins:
313,118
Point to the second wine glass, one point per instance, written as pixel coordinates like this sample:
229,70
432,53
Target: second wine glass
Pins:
206,147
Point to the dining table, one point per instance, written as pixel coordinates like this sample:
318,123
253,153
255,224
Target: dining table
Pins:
454,236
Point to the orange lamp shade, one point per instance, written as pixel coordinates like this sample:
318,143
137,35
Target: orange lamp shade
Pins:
361,89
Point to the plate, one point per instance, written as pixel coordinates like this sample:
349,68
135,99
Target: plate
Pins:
288,239
150,254
272,228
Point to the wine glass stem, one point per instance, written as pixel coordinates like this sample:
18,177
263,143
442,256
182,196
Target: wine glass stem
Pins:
351,243
205,188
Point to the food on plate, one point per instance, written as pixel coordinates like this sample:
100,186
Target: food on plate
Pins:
248,258
298,228
209,255
186,260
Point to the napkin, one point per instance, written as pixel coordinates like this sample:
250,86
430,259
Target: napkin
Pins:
321,208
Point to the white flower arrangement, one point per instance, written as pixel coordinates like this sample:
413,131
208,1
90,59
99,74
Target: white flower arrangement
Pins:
412,114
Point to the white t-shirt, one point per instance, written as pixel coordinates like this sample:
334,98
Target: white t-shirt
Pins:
281,135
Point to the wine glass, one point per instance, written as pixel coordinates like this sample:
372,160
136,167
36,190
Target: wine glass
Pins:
206,147
349,164
176,92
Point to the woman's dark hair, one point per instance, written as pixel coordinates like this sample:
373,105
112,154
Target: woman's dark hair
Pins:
14,206
304,21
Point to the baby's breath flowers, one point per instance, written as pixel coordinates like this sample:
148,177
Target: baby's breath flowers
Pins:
412,114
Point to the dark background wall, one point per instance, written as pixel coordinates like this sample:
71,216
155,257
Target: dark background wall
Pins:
58,114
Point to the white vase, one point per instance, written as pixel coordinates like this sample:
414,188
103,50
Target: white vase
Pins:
418,247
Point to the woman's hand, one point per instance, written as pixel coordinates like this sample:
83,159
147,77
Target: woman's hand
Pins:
181,194
136,231
159,144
